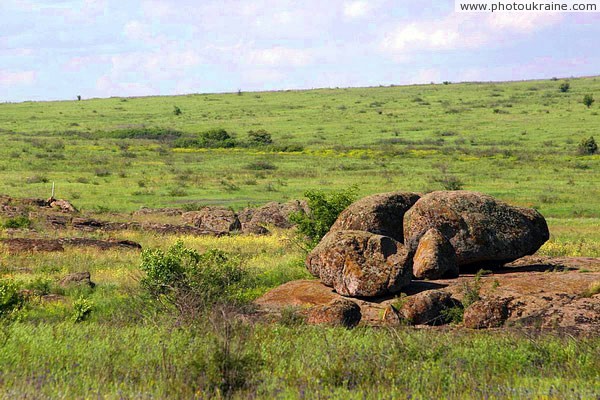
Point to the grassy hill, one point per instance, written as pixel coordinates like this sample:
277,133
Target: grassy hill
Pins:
517,141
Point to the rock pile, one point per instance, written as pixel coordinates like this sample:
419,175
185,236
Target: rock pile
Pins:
380,243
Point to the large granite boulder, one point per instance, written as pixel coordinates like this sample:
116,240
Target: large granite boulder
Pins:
361,264
382,214
215,219
479,227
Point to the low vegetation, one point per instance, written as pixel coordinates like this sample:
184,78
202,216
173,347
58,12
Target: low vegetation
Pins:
176,320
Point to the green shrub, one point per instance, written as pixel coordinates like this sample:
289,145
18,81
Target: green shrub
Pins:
211,139
11,300
162,134
259,138
261,165
82,309
17,223
324,210
564,87
177,110
588,146
40,286
471,290
588,100
192,281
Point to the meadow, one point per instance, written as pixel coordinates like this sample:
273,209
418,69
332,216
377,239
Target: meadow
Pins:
517,141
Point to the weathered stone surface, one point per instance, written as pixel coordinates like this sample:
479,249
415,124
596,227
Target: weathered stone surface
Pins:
361,264
539,298
488,313
274,214
426,308
338,312
434,257
170,212
77,279
479,227
217,219
303,295
254,229
381,214
101,244
62,205
18,245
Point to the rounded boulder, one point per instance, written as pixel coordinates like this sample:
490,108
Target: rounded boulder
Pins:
382,214
361,264
479,227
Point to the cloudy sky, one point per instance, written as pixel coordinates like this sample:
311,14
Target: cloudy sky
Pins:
57,49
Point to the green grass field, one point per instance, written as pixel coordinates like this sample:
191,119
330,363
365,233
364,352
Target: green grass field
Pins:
517,141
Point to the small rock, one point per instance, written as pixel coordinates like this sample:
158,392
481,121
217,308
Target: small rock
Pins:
62,205
434,258
274,214
426,308
338,312
489,313
77,279
216,219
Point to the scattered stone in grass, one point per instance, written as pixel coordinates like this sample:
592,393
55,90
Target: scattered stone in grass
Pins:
338,312
488,313
77,279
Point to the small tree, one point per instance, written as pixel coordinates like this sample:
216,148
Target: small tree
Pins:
177,110
324,210
588,146
564,87
588,100
259,137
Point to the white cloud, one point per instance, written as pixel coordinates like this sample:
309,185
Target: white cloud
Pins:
136,30
356,9
280,56
462,31
13,78
522,22
157,64
427,75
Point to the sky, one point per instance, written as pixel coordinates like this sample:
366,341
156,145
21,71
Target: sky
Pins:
58,49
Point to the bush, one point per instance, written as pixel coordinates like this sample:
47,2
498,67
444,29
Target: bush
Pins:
324,210
162,134
588,146
82,309
17,223
261,165
11,300
211,139
448,181
177,110
190,281
588,100
564,87
259,138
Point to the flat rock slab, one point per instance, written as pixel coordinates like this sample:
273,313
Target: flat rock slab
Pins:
540,292
21,245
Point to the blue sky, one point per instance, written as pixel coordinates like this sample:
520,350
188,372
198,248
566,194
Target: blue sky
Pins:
99,48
